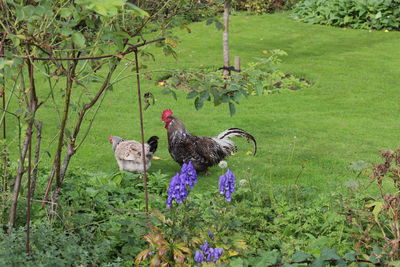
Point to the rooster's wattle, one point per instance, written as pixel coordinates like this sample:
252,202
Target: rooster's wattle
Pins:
203,152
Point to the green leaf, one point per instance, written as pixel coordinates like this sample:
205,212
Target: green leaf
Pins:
191,95
232,108
377,209
91,191
209,21
318,263
358,165
350,256
238,262
67,133
266,258
65,12
300,256
198,104
204,96
378,15
329,254
137,11
174,95
259,88
78,39
14,39
219,25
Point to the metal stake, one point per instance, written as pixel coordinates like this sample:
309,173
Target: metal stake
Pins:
146,195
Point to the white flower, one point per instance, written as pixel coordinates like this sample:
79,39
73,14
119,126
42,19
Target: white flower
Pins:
223,164
243,182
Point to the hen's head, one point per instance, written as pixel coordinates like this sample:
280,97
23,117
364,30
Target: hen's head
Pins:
166,117
114,140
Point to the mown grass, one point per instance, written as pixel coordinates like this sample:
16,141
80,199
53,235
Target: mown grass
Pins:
308,136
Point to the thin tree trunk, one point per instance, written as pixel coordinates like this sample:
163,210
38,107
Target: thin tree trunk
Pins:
56,170
28,199
37,157
32,107
225,38
20,173
3,96
64,120
71,144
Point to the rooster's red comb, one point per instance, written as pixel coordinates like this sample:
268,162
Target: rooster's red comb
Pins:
166,113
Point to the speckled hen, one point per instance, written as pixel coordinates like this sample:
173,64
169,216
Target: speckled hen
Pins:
203,152
128,153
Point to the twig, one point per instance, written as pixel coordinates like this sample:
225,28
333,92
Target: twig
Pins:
28,198
128,51
37,157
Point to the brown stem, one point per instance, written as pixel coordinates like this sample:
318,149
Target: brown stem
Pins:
49,183
3,92
139,94
71,150
28,198
56,171
28,137
87,106
37,157
20,173
71,144
68,91
225,37
130,50
3,96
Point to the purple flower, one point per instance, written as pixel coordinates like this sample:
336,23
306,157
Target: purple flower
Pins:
227,184
189,173
199,256
177,190
218,253
208,253
178,185
204,247
210,234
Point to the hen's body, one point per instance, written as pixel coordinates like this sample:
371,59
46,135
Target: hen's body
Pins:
203,152
128,153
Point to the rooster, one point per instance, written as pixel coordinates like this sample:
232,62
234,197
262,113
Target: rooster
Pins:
128,153
203,152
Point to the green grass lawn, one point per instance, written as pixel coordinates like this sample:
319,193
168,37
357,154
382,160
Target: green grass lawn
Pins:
350,112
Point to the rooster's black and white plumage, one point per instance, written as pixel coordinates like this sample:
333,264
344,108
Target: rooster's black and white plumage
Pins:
203,152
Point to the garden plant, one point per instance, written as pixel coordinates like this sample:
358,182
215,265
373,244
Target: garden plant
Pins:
321,102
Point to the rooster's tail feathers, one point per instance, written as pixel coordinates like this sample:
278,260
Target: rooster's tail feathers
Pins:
153,143
236,132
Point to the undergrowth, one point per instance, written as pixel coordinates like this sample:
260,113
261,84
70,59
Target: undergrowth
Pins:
101,221
358,14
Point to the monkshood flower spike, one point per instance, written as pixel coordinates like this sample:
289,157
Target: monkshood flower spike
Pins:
190,174
207,253
180,183
227,185
177,190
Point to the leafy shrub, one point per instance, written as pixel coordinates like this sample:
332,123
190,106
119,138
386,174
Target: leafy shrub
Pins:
101,220
264,6
51,247
375,217
257,78
358,14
